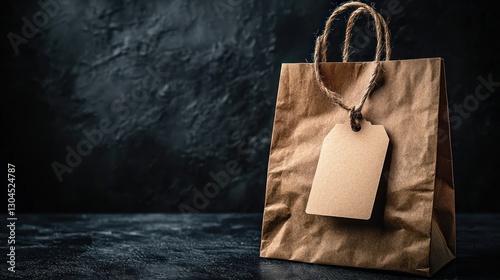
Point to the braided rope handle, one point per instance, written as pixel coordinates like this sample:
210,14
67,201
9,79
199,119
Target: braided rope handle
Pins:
321,48
350,25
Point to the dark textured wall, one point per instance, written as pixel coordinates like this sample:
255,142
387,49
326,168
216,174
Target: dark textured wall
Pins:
138,105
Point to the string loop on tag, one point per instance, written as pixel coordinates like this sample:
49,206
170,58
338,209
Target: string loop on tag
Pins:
355,117
320,56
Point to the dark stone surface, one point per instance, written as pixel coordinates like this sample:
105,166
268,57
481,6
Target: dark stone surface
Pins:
202,246
189,86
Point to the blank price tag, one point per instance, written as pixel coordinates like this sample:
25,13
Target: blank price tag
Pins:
348,172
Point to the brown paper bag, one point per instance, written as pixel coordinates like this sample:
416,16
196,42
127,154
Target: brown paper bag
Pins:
412,225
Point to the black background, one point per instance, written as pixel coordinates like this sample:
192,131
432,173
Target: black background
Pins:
211,95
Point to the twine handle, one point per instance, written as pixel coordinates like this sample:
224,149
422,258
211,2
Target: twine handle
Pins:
355,114
350,25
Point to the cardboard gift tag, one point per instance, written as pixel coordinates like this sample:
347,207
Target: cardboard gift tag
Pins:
348,172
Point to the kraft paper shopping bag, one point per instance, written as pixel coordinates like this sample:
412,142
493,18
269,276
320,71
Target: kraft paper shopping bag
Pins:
327,201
